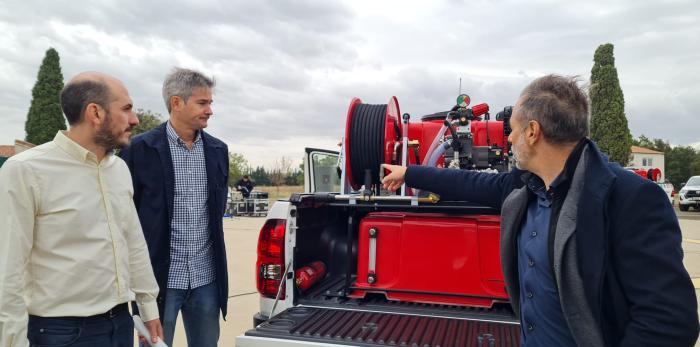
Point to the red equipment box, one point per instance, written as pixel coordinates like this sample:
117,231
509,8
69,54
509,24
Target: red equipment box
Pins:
430,258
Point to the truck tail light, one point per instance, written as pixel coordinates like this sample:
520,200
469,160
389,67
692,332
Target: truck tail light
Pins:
270,264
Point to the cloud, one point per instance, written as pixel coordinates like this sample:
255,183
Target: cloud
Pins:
286,71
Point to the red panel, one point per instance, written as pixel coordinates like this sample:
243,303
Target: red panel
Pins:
425,133
494,128
432,258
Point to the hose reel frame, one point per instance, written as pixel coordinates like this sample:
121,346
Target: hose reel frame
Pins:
370,134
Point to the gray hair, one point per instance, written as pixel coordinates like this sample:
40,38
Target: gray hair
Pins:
559,105
182,82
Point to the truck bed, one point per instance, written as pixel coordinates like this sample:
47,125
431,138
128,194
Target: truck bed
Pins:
327,316
369,328
326,295
322,318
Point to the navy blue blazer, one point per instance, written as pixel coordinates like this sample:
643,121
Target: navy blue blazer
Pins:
149,160
628,245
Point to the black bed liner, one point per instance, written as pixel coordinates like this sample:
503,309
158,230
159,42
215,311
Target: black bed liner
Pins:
324,317
361,328
326,294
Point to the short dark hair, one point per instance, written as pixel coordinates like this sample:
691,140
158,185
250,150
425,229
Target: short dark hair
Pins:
75,97
246,176
559,105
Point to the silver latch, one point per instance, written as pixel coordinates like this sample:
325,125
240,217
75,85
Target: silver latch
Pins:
372,275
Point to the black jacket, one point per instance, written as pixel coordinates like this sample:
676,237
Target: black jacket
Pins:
149,160
245,187
628,248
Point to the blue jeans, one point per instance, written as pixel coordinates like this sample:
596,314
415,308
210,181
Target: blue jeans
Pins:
110,331
200,314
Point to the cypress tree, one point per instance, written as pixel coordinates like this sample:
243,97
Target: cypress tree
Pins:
608,122
45,117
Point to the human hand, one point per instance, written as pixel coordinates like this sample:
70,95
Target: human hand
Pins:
395,178
155,329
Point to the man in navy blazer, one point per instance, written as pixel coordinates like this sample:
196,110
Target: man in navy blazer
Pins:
180,176
591,253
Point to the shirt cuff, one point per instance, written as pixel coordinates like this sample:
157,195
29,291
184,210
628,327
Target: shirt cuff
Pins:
148,310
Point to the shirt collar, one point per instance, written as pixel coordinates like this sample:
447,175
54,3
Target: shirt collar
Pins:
536,185
77,151
173,137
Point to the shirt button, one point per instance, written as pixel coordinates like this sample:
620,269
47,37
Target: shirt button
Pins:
531,263
530,327
530,295
534,233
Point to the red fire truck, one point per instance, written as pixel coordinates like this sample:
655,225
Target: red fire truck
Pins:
654,174
347,263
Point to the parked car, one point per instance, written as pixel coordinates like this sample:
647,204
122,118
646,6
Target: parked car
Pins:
669,189
689,196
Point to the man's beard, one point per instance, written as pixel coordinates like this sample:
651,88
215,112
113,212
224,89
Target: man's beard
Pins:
107,139
520,156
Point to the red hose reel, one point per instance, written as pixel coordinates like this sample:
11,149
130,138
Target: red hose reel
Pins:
370,134
373,136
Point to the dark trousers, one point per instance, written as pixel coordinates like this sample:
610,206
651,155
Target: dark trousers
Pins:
200,315
114,328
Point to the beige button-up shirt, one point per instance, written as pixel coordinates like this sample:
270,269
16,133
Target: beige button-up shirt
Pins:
70,239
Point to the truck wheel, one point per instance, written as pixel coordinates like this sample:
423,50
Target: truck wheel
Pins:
683,208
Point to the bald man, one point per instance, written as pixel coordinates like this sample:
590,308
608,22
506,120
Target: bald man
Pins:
72,253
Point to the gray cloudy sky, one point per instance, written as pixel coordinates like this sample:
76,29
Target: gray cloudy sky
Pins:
287,70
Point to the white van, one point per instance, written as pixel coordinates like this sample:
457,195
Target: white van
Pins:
689,196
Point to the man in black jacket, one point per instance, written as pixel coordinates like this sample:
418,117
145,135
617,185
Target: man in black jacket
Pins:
591,254
245,186
180,176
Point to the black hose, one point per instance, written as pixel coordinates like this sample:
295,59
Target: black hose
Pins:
367,141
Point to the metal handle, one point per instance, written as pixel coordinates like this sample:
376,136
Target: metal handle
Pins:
371,273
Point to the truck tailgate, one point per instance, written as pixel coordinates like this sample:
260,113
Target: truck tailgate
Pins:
318,326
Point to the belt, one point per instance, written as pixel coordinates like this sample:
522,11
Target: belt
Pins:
113,312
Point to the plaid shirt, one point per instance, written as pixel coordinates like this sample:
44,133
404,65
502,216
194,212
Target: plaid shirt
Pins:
191,252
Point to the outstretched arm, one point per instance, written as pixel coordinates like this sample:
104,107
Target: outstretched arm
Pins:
451,184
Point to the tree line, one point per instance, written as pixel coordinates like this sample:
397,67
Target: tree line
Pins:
282,173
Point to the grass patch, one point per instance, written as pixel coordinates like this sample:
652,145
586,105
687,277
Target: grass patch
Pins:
281,192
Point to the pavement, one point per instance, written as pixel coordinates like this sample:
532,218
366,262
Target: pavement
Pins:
241,235
690,227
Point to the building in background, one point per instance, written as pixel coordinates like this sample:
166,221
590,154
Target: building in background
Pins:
645,158
7,151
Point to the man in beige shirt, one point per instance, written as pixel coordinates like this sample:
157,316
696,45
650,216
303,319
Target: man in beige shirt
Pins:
72,253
